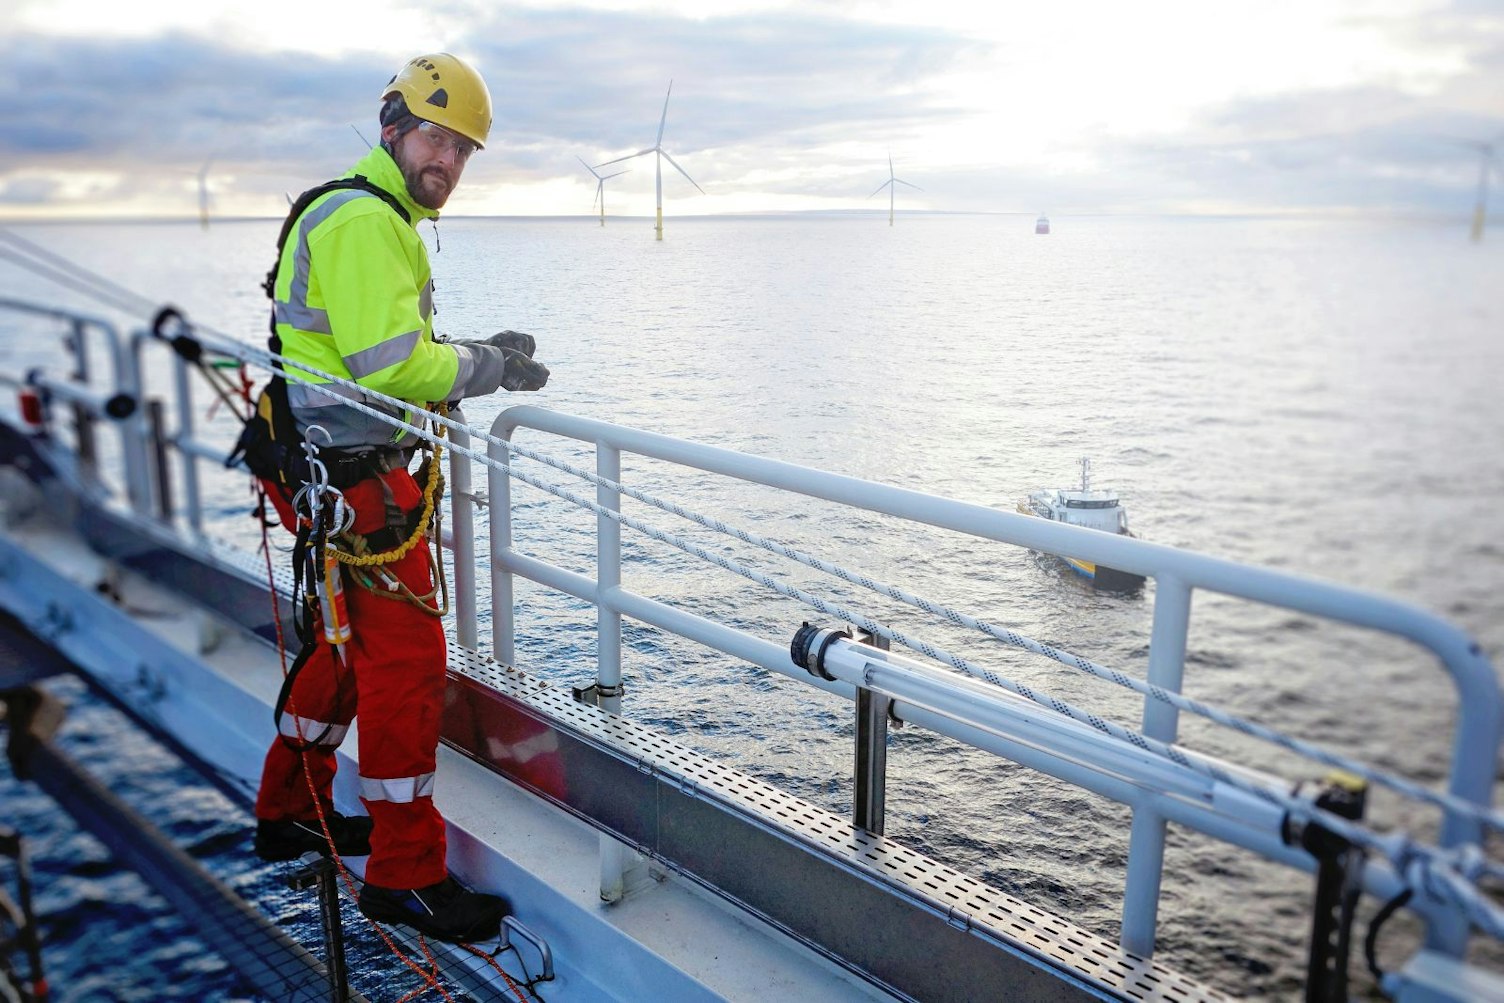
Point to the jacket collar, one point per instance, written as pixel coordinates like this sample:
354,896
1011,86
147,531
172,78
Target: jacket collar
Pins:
381,170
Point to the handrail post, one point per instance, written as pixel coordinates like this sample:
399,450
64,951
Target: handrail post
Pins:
870,773
182,439
613,862
83,422
462,532
1146,841
156,423
137,428
608,578
502,642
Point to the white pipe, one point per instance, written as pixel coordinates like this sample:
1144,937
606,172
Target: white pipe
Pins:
461,532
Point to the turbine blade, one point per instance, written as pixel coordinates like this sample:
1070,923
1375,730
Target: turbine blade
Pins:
599,189
617,174
890,165
682,171
664,117
903,182
363,139
882,186
585,165
629,156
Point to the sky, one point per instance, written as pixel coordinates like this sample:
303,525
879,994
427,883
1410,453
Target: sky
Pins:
1090,106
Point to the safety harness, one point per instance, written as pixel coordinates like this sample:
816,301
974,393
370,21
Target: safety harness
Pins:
311,481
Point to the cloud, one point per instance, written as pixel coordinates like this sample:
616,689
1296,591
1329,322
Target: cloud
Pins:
557,78
171,100
1391,143
786,104
28,191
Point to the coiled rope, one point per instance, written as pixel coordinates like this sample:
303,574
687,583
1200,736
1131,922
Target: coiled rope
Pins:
430,500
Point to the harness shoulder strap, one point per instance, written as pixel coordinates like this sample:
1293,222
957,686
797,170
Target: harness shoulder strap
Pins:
358,182
269,441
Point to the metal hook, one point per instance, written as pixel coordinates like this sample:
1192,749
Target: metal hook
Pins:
318,474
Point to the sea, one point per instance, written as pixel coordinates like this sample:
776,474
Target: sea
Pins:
1320,396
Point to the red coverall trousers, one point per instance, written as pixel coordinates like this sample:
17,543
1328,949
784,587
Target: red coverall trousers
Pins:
396,677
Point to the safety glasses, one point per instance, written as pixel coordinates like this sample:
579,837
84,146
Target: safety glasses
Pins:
441,139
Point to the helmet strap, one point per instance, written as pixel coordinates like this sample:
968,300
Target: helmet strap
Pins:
396,114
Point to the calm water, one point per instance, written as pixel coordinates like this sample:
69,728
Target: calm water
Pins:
1320,397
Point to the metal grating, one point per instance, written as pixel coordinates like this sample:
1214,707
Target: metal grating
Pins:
965,903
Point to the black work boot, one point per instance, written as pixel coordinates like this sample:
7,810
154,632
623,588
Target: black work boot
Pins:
291,838
445,911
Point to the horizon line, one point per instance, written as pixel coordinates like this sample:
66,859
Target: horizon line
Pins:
1317,213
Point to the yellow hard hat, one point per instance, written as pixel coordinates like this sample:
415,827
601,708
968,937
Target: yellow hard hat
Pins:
447,91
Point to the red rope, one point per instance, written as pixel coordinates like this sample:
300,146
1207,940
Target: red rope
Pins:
491,960
430,978
432,975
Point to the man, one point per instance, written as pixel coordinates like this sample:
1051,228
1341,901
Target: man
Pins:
353,297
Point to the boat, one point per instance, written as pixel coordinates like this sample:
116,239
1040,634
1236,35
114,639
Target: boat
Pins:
640,868
1042,224
1090,508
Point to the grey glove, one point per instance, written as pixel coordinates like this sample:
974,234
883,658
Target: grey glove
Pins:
521,372
503,360
514,340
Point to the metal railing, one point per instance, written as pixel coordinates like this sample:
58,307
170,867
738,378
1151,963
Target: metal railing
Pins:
1155,789
1237,806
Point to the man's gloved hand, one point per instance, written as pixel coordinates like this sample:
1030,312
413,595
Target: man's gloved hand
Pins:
521,372
515,341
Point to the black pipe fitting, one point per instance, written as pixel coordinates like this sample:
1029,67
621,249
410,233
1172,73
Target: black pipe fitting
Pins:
120,406
809,645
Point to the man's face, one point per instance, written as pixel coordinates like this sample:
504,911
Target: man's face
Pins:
431,159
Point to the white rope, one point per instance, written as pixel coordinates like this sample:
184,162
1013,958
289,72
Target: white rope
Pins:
1402,853
1443,800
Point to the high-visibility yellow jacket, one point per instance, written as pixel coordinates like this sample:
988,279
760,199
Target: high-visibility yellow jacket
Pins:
354,298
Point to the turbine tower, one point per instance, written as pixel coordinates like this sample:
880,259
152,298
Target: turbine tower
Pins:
662,155
600,187
203,194
1487,162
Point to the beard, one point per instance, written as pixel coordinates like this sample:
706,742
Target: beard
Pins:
429,186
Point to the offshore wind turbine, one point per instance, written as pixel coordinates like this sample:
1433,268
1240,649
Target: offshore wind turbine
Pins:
1487,162
892,185
662,155
600,186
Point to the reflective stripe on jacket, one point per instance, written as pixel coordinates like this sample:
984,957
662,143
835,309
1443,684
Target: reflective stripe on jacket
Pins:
354,298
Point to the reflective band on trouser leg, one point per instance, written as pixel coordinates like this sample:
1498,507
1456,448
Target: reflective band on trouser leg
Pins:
398,653
323,694
402,790
320,733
